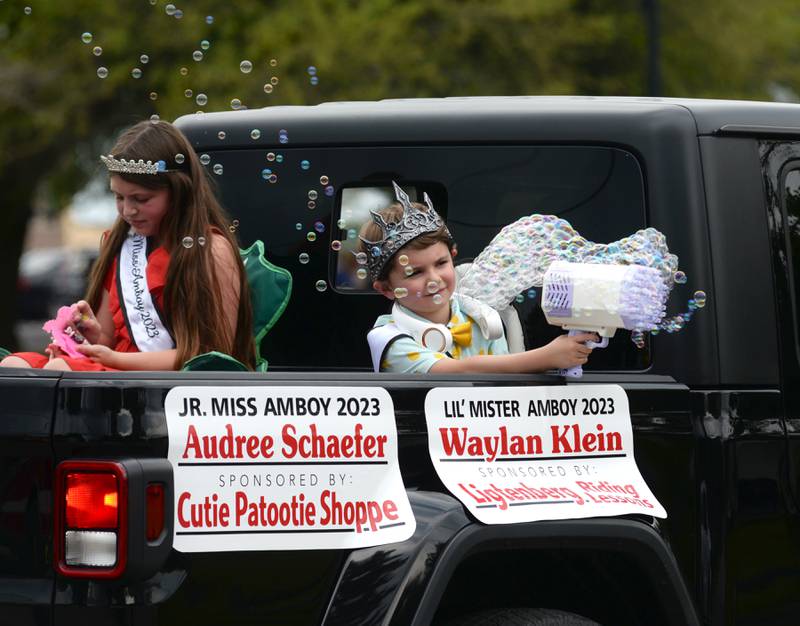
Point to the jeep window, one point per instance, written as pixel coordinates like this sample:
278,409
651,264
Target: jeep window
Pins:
478,189
791,206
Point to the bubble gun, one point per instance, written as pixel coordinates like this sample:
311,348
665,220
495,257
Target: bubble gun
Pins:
599,298
62,332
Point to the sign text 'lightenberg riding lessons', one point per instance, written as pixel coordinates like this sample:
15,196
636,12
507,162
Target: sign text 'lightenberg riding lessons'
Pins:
285,468
518,454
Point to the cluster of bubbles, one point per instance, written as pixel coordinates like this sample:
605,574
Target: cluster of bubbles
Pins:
188,242
516,260
283,135
312,75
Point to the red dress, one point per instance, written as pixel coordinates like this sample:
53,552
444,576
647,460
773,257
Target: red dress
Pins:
157,264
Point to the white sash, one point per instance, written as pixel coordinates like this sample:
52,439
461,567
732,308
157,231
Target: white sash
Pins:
147,330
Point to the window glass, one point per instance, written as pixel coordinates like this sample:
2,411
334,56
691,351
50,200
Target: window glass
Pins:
478,189
791,203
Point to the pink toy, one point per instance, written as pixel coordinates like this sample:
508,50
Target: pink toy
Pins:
62,332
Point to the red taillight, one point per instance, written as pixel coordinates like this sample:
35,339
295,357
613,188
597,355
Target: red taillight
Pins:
91,524
92,501
155,511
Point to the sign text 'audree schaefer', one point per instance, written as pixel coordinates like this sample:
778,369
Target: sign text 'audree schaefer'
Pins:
282,468
518,454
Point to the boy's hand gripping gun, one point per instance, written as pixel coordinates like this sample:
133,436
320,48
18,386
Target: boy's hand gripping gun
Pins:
592,297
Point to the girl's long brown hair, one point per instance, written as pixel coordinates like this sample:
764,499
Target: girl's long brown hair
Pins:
193,306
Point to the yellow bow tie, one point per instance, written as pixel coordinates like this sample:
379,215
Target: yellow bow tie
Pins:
462,333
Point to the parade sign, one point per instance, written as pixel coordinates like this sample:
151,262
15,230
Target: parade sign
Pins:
519,454
285,468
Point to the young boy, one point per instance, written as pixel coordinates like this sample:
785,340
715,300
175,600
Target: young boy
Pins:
410,258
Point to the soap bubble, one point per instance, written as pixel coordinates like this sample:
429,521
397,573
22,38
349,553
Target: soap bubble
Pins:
319,227
144,59
361,273
187,242
201,99
221,135
311,235
303,258
236,104
274,80
273,178
218,169
265,173
102,72
321,285
341,223
531,293
136,72
400,292
283,138
700,299
304,164
437,298
179,158
201,240
154,118
408,270
270,156
375,251
188,93
209,19
361,258
255,134
680,277
312,205
268,88
432,286
205,159
236,223
197,55
27,10
402,259
323,180
519,298
178,14
311,70
232,228
246,67
273,62
336,245
329,190
279,158
153,95
97,51
184,71
170,9
86,37
312,194
205,44
298,226
351,233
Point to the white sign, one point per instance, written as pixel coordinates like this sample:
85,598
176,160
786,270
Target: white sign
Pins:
519,454
285,468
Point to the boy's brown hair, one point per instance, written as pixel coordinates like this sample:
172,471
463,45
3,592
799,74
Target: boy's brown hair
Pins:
393,214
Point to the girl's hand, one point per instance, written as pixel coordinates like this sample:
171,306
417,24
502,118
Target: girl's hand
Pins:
54,351
85,322
99,354
565,351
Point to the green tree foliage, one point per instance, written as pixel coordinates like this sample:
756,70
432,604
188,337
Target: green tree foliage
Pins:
56,115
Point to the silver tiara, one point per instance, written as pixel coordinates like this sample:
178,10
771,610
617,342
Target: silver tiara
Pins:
412,224
133,167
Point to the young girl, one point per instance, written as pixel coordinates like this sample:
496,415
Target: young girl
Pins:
432,328
169,283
